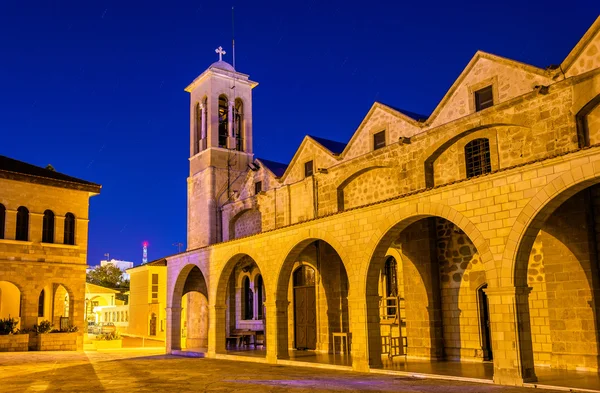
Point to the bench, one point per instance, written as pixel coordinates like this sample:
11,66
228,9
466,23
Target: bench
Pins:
239,336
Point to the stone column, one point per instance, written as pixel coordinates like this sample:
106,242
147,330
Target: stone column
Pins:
364,336
36,224
217,330
231,138
59,229
276,330
10,228
173,329
511,335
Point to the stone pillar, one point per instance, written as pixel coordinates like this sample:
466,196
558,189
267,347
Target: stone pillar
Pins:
364,336
59,229
217,330
36,221
10,228
173,328
29,307
276,330
511,335
230,138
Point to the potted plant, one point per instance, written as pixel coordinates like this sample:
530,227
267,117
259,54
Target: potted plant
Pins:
10,339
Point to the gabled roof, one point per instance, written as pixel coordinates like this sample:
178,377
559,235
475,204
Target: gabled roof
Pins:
276,168
579,47
93,288
482,55
333,146
156,262
416,116
19,170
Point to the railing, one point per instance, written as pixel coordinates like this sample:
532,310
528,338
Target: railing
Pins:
389,309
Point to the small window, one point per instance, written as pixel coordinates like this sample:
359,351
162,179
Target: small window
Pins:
22,224
69,229
48,227
2,220
155,279
484,98
308,168
259,297
257,187
477,157
379,140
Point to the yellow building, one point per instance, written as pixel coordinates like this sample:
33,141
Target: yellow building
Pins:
148,300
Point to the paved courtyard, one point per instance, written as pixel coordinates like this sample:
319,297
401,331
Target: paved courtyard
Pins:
151,371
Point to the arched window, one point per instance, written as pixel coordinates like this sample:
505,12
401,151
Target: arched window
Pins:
238,124
477,157
2,220
304,276
259,297
248,299
48,227
22,224
198,127
69,229
41,301
223,120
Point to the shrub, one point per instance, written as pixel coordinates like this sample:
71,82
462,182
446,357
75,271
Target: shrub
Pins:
8,326
43,327
109,336
24,331
70,329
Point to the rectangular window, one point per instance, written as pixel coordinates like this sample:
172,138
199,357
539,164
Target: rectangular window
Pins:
155,288
484,98
257,187
155,279
308,168
379,140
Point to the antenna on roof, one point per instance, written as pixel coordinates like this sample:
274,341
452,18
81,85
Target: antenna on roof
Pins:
233,34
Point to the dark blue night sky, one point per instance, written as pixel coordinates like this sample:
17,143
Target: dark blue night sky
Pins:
96,87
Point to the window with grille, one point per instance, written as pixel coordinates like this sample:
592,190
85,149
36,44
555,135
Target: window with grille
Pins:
477,157
379,140
257,187
484,98
308,168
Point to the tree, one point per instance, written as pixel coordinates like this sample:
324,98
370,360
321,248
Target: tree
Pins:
107,276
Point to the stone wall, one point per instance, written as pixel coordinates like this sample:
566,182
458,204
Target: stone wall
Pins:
14,343
246,223
59,342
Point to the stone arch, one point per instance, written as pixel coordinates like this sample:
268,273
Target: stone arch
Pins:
11,300
388,231
191,278
534,214
342,185
431,154
293,252
217,341
247,221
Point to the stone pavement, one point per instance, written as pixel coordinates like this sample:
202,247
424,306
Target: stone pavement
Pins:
151,371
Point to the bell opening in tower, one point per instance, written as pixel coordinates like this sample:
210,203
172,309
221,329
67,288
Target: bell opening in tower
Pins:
238,124
223,121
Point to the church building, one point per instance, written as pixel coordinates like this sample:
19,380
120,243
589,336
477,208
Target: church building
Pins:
467,235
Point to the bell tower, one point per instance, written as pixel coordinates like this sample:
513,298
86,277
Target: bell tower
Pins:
220,146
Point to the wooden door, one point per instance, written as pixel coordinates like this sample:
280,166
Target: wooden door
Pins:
305,308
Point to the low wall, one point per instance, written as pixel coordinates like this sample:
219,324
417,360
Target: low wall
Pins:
57,342
14,343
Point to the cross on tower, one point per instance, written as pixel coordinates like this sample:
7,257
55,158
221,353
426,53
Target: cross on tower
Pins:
221,52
